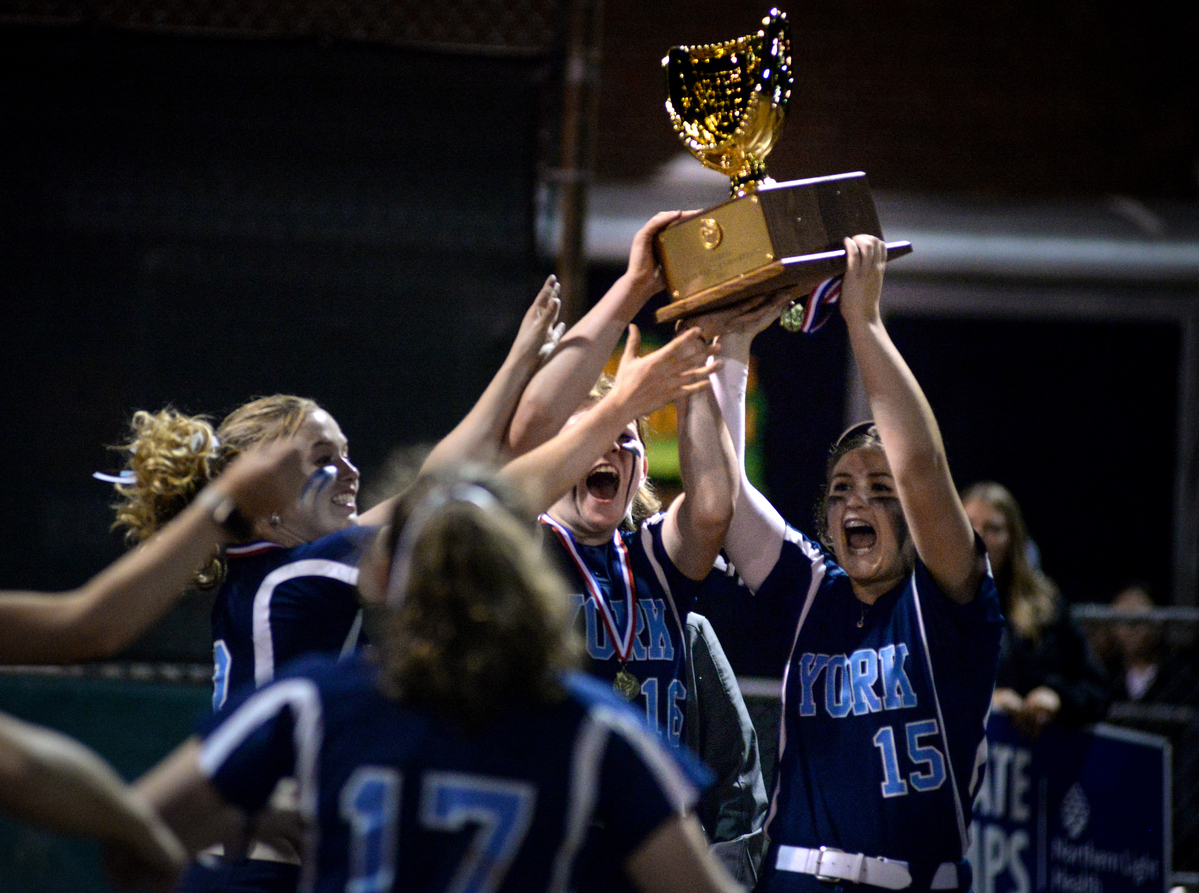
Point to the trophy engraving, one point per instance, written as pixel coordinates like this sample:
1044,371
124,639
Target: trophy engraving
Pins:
728,102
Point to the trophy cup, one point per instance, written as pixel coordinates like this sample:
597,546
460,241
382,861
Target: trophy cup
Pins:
727,102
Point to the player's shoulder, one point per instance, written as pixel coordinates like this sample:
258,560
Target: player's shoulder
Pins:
349,544
331,675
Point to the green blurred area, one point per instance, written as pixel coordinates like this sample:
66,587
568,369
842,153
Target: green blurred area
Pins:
132,724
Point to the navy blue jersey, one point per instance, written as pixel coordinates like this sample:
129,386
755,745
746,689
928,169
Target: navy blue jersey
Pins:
279,603
655,651
397,794
884,706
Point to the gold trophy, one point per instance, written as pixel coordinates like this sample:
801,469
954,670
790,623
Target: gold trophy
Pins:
727,102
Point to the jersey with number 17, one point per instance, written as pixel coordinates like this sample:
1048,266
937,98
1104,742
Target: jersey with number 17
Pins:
399,795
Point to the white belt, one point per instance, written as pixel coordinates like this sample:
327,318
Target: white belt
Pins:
827,864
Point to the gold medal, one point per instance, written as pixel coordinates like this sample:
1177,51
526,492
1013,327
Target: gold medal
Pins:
626,685
792,317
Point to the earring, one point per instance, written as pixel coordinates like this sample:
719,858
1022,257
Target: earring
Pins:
276,520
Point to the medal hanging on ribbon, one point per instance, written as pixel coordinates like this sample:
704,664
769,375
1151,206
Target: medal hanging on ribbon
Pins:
625,684
813,312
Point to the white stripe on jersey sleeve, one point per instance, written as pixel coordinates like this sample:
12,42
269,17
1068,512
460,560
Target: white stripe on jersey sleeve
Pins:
580,805
264,646
303,698
590,744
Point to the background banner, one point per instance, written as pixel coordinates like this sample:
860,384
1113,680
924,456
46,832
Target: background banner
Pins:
1076,811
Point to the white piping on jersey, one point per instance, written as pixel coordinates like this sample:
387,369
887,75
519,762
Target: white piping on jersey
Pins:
819,569
255,548
351,643
302,697
264,646
647,544
586,762
584,767
963,832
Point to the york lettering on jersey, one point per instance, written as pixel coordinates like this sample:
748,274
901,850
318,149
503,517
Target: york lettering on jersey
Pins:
865,681
650,642
665,698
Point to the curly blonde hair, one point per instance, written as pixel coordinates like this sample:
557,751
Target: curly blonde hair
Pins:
484,619
172,456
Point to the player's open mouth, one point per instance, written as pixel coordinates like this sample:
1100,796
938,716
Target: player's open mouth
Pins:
346,500
859,536
603,482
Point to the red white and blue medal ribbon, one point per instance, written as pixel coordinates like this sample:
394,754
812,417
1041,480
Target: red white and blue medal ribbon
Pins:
623,644
814,312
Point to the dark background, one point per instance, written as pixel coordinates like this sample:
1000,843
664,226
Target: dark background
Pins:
1060,98
204,202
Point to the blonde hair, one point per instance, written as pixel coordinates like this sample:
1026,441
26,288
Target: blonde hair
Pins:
1030,599
483,620
172,456
262,420
645,500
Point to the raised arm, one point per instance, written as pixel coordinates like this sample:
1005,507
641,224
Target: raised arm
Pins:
119,604
564,382
481,435
938,523
755,536
58,784
641,386
698,519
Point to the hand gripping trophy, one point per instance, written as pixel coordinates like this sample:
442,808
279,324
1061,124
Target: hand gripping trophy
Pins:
727,102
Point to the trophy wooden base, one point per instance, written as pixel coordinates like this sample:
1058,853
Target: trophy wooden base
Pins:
785,235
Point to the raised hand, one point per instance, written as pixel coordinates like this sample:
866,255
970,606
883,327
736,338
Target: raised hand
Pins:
865,261
540,331
643,270
682,366
735,326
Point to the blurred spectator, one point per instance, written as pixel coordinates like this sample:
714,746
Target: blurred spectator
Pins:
1157,690
1143,665
1047,671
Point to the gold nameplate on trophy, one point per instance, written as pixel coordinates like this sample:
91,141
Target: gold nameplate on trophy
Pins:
727,103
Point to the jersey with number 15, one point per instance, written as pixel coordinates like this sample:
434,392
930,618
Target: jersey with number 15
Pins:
884,708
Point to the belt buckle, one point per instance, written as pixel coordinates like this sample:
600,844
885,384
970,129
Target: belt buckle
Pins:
833,878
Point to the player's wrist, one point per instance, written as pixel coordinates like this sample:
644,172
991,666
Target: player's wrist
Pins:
222,510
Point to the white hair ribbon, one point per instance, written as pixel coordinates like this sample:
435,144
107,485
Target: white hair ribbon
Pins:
433,502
